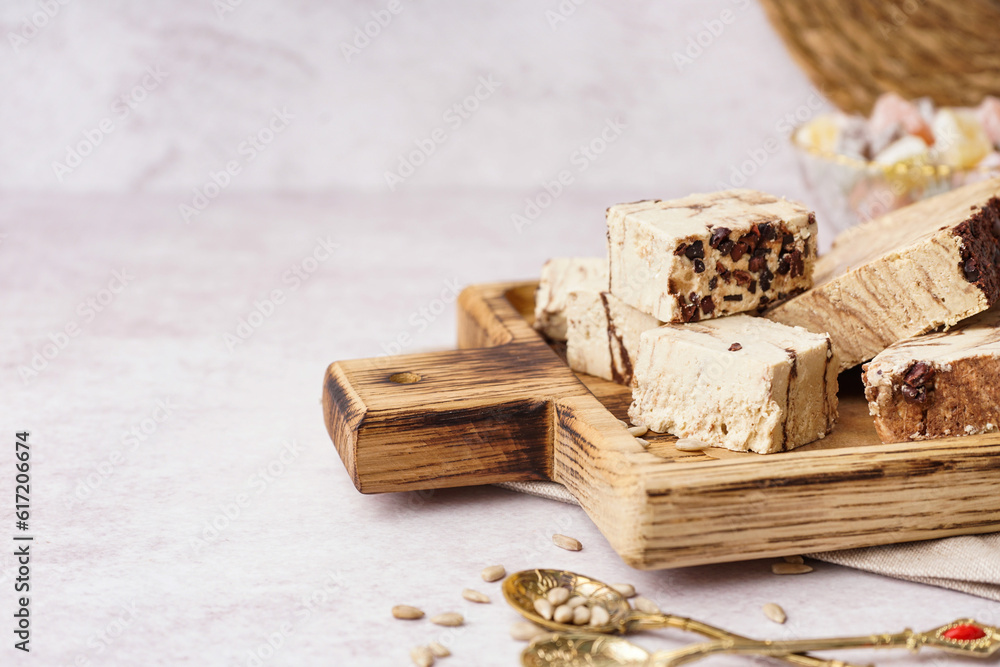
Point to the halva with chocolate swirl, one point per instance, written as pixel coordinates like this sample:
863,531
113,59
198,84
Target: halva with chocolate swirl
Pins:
709,255
602,335
938,385
931,264
560,276
741,382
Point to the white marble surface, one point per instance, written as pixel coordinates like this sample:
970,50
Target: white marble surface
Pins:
123,537
688,125
298,558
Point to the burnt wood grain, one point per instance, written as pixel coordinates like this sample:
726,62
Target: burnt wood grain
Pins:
506,407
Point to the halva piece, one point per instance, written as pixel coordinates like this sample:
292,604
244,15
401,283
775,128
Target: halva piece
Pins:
741,382
931,264
709,255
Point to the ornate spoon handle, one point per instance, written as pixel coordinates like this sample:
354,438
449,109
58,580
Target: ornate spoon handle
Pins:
963,637
643,621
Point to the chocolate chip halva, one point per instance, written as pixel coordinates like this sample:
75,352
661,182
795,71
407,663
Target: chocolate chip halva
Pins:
708,255
560,276
741,382
938,385
602,335
931,264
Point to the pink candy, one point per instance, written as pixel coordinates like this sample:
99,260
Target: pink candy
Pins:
988,114
892,111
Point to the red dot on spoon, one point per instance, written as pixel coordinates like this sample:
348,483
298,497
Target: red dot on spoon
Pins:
965,632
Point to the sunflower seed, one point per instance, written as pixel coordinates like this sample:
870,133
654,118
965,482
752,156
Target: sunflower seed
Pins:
421,656
562,614
691,445
544,608
794,559
567,543
774,612
790,568
638,430
450,619
475,596
557,595
625,590
576,601
494,573
646,605
406,612
581,615
439,650
524,631
643,442
599,616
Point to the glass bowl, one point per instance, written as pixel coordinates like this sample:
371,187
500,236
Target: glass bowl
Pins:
848,190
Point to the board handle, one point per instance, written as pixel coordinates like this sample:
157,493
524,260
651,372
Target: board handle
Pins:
444,419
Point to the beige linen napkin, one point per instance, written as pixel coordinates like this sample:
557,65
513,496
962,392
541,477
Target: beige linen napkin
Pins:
970,564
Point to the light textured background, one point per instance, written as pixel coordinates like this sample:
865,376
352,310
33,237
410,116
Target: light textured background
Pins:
116,526
686,129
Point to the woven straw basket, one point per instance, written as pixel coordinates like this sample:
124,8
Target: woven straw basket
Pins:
853,50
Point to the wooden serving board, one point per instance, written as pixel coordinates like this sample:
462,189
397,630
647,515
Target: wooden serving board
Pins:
505,407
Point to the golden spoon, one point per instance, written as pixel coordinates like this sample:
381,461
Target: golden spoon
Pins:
963,637
589,650
522,589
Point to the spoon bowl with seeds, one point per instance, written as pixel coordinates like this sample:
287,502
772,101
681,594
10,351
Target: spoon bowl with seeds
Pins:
536,595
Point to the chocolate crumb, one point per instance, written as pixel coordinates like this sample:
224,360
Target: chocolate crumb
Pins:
753,287
722,270
971,270
681,249
915,394
919,374
695,251
784,265
757,264
735,347
787,240
726,247
733,297
719,234
707,305
739,250
751,239
714,282
766,231
765,282
742,277
690,313
699,266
